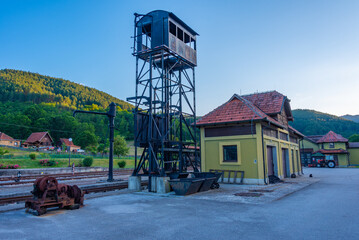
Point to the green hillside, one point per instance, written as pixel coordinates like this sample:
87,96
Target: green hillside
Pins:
310,122
23,86
30,102
354,118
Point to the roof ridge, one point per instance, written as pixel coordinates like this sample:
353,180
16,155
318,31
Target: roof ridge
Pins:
250,94
250,105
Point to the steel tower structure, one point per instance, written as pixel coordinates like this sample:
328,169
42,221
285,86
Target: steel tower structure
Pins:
165,111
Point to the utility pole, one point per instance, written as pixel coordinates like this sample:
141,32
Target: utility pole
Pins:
111,114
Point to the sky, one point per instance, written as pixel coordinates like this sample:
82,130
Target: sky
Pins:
306,49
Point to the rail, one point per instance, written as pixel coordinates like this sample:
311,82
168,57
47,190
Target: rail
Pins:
86,189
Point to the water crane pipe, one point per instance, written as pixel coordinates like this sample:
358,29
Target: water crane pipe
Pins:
111,114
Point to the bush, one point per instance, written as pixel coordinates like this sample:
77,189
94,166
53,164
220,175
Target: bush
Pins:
32,156
47,162
122,164
11,166
87,162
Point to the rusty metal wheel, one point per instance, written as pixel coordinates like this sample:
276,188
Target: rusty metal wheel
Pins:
41,211
47,183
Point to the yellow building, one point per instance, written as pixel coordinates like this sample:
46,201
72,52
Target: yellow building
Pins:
353,153
6,140
332,146
250,133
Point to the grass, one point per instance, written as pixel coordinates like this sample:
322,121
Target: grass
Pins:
97,162
22,158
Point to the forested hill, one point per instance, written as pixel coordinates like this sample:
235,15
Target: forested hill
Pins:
16,85
30,102
310,122
354,118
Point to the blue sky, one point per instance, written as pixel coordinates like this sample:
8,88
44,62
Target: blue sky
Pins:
307,50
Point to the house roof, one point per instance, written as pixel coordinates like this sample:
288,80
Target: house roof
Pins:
37,137
237,109
332,137
354,145
334,151
67,142
4,136
271,102
314,138
306,150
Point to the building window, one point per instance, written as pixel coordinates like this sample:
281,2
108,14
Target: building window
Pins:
179,34
331,145
230,153
173,29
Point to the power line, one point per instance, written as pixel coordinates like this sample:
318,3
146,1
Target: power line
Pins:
47,129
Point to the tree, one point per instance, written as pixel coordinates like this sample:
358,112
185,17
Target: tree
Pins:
354,138
85,139
91,149
120,146
3,152
101,148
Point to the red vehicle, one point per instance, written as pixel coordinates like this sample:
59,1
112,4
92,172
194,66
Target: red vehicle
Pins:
321,162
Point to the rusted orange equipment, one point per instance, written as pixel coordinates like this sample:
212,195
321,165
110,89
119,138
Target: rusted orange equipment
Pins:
48,193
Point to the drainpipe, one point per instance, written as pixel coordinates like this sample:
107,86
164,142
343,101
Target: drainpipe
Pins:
300,155
264,159
292,153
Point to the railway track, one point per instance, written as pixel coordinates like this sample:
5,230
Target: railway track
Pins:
57,175
59,178
29,179
87,190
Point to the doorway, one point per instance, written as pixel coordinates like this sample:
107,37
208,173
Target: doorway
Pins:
270,161
285,158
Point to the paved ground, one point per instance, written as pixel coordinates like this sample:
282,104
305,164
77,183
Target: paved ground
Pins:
325,210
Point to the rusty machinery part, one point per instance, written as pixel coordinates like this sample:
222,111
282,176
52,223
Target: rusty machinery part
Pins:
78,194
44,184
49,193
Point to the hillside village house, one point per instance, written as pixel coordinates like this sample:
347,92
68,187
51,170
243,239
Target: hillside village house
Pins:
331,146
38,139
6,140
66,144
250,133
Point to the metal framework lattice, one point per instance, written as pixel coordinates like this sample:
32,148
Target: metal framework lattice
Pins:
165,109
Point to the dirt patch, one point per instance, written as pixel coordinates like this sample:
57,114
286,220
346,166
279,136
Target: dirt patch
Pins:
248,194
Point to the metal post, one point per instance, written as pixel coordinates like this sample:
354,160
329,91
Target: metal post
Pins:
69,149
150,150
180,156
111,118
111,114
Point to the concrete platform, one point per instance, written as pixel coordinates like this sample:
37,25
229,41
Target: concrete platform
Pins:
331,203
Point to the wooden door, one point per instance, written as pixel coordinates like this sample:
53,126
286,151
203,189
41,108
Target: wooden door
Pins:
270,161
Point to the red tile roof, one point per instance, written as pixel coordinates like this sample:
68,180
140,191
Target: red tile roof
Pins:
3,136
67,142
334,151
269,102
332,137
36,137
237,109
